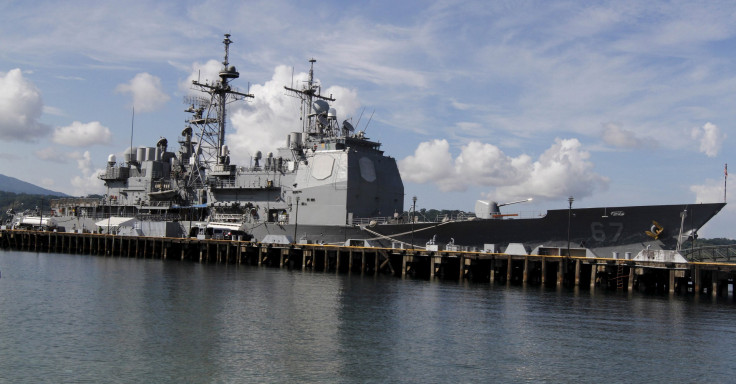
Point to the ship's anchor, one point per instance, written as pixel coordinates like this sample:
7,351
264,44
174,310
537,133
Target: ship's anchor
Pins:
657,230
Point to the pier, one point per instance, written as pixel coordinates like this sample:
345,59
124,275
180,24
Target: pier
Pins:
714,276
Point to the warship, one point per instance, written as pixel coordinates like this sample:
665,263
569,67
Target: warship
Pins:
331,184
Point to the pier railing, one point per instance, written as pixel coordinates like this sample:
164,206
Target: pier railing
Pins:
715,253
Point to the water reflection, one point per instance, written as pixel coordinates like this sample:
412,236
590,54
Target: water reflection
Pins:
82,318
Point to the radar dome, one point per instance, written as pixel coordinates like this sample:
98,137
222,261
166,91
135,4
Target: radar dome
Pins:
111,158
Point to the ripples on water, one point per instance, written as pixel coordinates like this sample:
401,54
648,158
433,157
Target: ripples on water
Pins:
71,318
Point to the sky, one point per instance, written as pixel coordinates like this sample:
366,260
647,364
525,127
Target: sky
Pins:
614,103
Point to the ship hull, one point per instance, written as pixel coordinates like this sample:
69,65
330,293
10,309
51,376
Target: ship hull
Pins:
601,230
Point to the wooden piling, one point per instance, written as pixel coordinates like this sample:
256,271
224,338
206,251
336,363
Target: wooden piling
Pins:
509,265
632,274
525,274
493,269
593,275
544,270
560,273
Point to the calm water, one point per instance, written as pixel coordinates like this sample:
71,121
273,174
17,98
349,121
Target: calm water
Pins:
71,318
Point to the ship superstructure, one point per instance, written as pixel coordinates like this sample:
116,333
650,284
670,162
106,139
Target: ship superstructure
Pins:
327,174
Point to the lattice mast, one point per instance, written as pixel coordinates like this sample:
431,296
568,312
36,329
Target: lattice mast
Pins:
210,115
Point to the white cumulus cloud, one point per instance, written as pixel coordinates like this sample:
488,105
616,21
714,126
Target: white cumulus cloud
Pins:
432,162
82,134
710,137
88,182
146,91
21,106
563,169
710,192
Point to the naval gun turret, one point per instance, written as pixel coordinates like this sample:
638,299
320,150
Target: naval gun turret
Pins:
491,209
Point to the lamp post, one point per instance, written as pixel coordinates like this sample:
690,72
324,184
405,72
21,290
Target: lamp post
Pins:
569,217
40,219
296,217
109,209
413,214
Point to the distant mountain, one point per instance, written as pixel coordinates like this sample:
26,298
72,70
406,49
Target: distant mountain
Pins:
11,184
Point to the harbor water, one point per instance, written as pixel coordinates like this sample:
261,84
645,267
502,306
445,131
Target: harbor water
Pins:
73,318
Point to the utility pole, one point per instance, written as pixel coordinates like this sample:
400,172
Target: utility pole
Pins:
413,218
569,219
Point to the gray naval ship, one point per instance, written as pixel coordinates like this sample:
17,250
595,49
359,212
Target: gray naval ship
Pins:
332,184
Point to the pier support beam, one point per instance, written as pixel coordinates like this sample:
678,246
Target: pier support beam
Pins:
671,285
560,273
461,272
577,272
362,261
593,273
525,274
493,269
632,274
544,270
350,261
508,269
375,259
431,267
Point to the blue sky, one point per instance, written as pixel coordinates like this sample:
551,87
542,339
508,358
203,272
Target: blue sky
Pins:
614,103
